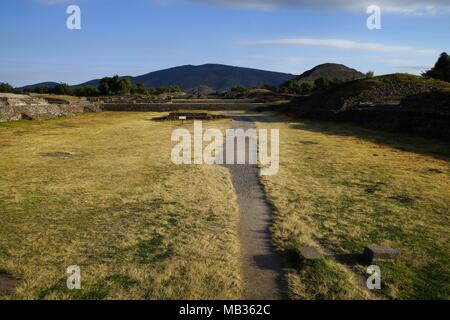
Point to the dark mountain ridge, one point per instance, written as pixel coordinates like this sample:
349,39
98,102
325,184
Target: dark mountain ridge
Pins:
48,84
215,76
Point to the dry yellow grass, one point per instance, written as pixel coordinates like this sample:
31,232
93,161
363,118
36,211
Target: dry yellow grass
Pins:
341,187
137,225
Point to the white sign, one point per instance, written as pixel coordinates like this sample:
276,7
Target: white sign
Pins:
183,118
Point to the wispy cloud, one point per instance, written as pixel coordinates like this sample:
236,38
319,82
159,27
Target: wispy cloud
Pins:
417,7
276,59
339,44
50,2
393,6
406,64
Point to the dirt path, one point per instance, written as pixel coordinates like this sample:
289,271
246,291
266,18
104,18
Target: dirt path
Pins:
262,266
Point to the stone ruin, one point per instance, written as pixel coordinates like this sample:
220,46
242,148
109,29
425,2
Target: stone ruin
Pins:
173,116
15,107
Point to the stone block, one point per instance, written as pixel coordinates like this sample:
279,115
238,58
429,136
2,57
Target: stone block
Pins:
309,253
374,253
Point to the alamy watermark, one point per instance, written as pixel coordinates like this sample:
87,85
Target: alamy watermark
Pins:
73,22
374,20
374,281
230,150
74,278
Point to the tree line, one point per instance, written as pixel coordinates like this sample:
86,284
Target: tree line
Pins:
107,86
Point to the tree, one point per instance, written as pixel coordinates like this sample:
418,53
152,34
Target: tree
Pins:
124,86
239,89
441,69
322,83
139,89
296,87
306,88
42,89
370,74
293,86
86,92
63,89
115,85
173,88
103,87
7,88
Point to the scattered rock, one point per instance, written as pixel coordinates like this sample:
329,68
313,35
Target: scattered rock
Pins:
433,170
8,284
403,199
308,143
374,188
309,253
57,155
373,253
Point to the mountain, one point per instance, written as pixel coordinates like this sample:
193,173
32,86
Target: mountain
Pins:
331,71
215,76
49,84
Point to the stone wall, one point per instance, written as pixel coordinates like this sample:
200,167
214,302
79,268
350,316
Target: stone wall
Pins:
413,108
15,107
165,107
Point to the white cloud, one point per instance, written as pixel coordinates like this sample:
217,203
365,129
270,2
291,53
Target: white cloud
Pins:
406,64
339,44
417,7
394,6
277,60
50,2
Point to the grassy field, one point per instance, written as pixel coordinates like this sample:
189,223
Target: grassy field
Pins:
341,187
138,226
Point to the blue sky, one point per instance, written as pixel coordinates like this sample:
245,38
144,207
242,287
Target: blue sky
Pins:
138,36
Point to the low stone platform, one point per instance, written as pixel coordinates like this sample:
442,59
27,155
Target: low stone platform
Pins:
173,116
378,253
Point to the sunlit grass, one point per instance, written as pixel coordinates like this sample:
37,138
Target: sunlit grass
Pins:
341,187
137,225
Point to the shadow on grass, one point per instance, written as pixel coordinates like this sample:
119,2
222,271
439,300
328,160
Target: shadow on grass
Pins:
96,291
435,148
153,251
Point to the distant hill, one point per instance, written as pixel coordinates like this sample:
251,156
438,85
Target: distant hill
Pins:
215,76
331,71
49,84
